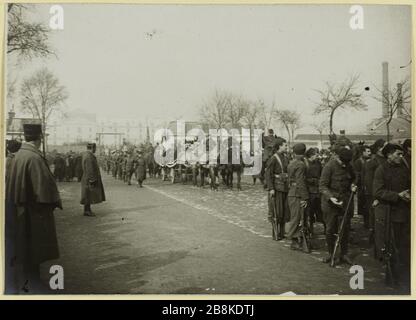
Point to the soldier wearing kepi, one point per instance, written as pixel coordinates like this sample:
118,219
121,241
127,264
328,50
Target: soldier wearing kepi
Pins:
392,189
298,195
336,184
92,189
31,197
277,184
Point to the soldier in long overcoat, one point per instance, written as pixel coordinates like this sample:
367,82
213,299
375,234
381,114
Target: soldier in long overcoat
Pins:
31,197
92,189
140,168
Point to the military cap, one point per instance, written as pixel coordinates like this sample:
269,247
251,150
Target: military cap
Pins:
299,149
32,129
390,148
345,154
90,145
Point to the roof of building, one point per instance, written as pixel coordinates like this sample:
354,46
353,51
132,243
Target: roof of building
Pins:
15,125
352,137
399,127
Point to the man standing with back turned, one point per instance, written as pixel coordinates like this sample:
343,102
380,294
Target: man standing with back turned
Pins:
92,189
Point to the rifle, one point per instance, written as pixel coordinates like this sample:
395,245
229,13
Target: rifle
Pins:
305,233
340,233
274,217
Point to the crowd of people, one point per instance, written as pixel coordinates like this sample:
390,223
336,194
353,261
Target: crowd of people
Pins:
135,161
307,186
304,185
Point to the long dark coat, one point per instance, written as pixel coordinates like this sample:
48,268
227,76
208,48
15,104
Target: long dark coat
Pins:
389,181
141,169
31,197
92,189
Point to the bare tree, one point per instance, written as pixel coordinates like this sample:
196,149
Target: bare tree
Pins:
236,110
290,121
252,115
395,98
267,113
214,111
321,127
27,39
42,95
339,97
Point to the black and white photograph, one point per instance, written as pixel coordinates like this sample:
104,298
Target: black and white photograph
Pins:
207,149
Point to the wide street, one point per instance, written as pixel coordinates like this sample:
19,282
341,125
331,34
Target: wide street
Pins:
178,239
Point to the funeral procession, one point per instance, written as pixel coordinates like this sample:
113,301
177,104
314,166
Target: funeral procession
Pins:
267,162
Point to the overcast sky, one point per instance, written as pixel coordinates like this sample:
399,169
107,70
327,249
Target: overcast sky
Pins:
110,65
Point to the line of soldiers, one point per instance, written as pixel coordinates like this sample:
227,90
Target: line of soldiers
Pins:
124,164
303,189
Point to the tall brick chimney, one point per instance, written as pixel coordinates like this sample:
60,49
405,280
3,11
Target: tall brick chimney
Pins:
385,89
399,100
